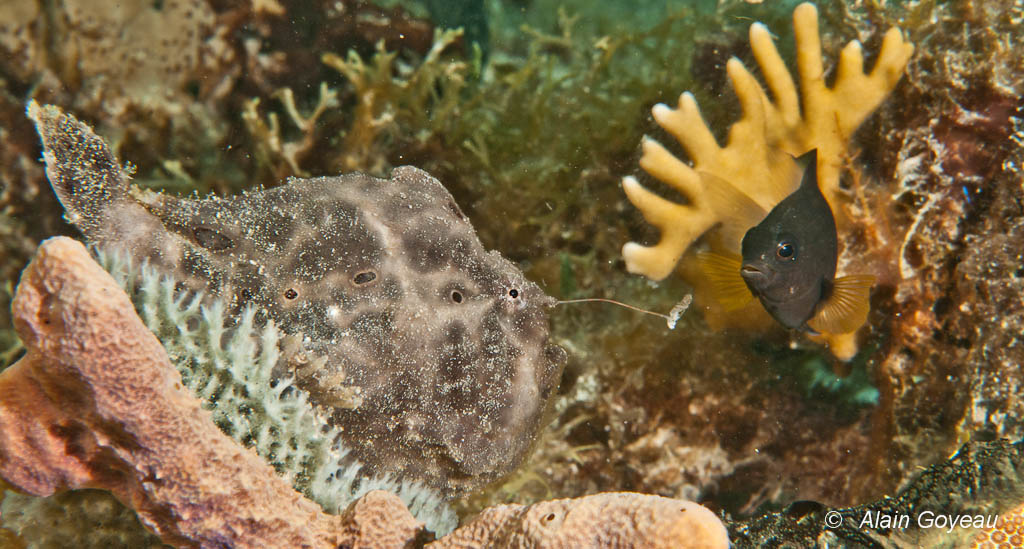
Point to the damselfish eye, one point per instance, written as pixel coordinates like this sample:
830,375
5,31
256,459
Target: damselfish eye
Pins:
786,250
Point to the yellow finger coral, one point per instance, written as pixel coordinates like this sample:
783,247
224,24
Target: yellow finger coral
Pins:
758,158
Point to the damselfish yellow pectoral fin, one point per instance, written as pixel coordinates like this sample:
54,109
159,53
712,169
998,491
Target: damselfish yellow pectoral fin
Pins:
727,285
846,309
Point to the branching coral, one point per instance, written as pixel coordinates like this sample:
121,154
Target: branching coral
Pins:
390,97
757,157
271,146
948,364
429,94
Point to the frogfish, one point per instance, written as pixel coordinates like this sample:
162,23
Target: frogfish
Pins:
428,352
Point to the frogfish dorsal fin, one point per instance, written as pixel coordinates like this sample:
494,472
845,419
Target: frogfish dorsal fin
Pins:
846,308
727,286
83,171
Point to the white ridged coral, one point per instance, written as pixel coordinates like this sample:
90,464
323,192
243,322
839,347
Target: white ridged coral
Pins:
229,366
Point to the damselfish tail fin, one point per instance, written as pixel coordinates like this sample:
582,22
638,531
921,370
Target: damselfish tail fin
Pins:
82,170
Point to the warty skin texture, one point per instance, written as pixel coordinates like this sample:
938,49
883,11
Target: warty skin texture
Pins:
430,352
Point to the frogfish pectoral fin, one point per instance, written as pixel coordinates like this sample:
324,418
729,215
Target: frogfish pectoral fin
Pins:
727,286
846,308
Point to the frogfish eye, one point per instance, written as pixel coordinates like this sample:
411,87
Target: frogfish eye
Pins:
513,293
786,250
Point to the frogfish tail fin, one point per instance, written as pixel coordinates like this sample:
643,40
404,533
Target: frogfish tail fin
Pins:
846,308
727,286
83,171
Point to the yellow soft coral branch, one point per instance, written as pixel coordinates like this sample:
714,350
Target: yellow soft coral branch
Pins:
758,157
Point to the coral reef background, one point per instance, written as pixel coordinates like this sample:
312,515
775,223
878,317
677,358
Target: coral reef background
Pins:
533,144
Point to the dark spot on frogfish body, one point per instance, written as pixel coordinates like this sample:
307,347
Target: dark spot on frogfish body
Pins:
211,239
364,277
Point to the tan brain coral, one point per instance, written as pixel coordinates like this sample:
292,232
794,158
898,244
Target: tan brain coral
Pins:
617,519
1007,534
